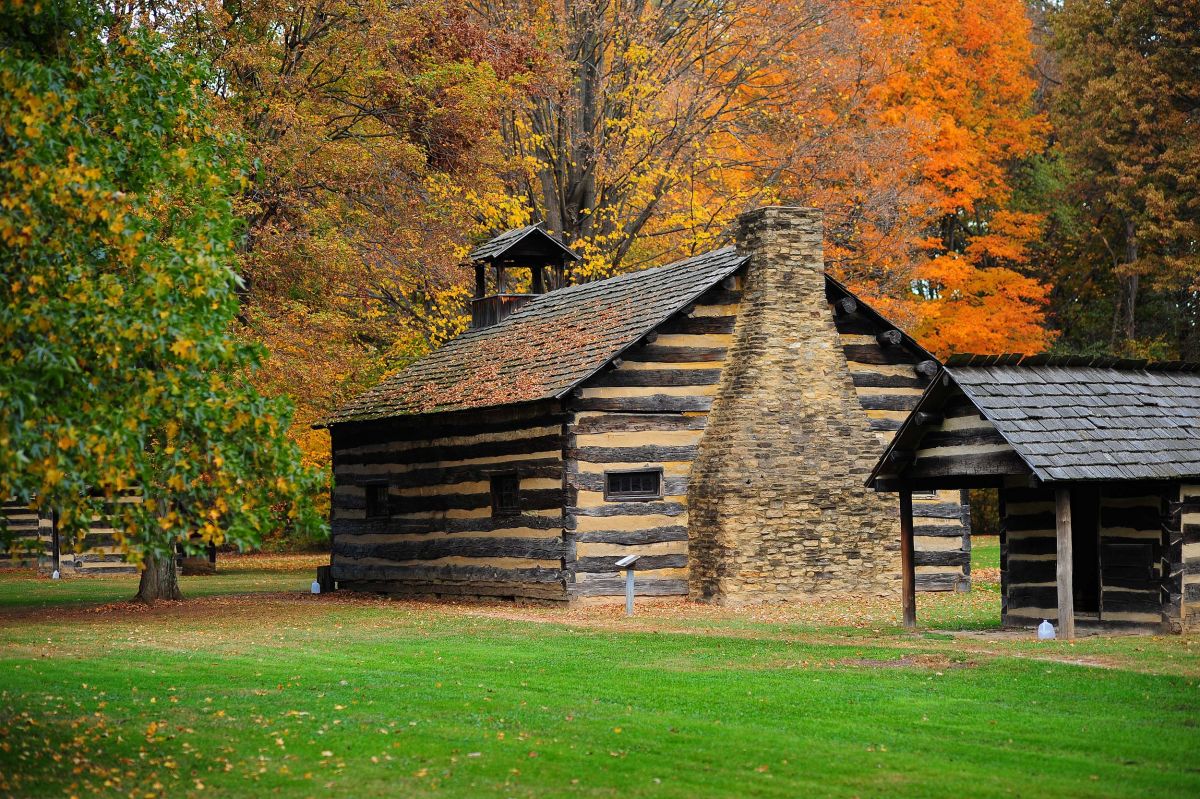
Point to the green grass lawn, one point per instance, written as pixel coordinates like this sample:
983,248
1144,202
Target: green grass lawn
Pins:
240,694
236,574
985,552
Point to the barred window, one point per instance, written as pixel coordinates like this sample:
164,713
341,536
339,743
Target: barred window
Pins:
640,484
506,495
377,502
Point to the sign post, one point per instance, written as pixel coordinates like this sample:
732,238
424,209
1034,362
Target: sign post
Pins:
627,563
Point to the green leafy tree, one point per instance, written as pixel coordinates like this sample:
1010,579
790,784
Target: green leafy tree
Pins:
118,373
1126,116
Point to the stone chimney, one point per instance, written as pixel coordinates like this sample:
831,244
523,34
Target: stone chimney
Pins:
777,507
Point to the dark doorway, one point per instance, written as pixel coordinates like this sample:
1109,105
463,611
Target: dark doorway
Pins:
1085,548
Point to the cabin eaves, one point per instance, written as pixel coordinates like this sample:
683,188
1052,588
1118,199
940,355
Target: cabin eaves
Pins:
1077,419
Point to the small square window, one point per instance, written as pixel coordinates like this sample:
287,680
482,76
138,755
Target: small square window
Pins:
640,484
506,495
377,502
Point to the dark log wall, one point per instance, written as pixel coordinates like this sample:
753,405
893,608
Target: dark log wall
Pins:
1030,556
648,412
888,386
33,546
439,535
1131,524
1131,530
1181,560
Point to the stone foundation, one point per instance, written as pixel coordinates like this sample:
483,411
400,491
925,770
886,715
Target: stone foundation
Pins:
777,505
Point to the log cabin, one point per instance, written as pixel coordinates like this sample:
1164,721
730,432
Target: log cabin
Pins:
715,417
1097,463
34,541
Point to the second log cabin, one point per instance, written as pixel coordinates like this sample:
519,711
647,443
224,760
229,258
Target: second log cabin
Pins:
1097,465
716,417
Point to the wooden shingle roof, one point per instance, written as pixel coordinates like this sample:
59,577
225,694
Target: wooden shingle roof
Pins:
1078,418
546,348
519,240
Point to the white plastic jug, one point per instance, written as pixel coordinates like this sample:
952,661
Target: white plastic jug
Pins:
1045,631
316,589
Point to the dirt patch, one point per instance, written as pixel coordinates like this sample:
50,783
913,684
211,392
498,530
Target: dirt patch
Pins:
937,662
302,562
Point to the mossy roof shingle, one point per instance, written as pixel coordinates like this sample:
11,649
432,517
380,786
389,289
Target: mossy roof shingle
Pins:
547,347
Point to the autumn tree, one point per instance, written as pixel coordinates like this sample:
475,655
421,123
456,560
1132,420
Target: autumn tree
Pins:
1126,118
637,145
118,371
961,84
372,130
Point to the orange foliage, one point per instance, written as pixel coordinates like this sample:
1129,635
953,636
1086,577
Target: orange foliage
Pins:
993,310
924,108
965,94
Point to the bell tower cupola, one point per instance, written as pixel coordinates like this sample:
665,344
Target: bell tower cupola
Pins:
499,265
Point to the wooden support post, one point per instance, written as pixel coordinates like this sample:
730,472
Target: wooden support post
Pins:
480,281
1064,571
909,583
539,283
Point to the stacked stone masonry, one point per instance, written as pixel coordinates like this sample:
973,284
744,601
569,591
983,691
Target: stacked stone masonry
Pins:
777,505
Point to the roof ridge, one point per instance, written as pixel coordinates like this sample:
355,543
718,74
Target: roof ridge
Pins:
977,360
608,281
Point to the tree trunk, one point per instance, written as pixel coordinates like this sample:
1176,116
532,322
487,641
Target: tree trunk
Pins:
1130,284
159,580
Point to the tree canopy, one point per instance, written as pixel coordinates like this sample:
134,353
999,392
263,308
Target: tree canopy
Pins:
1128,134
996,175
119,373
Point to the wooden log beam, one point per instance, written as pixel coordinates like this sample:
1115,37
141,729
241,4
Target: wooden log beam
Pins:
644,454
650,535
630,422
846,306
608,563
657,403
615,586
927,369
874,355
888,402
890,338
699,325
907,565
942,557
871,379
662,353
993,464
642,378
925,418
1064,570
